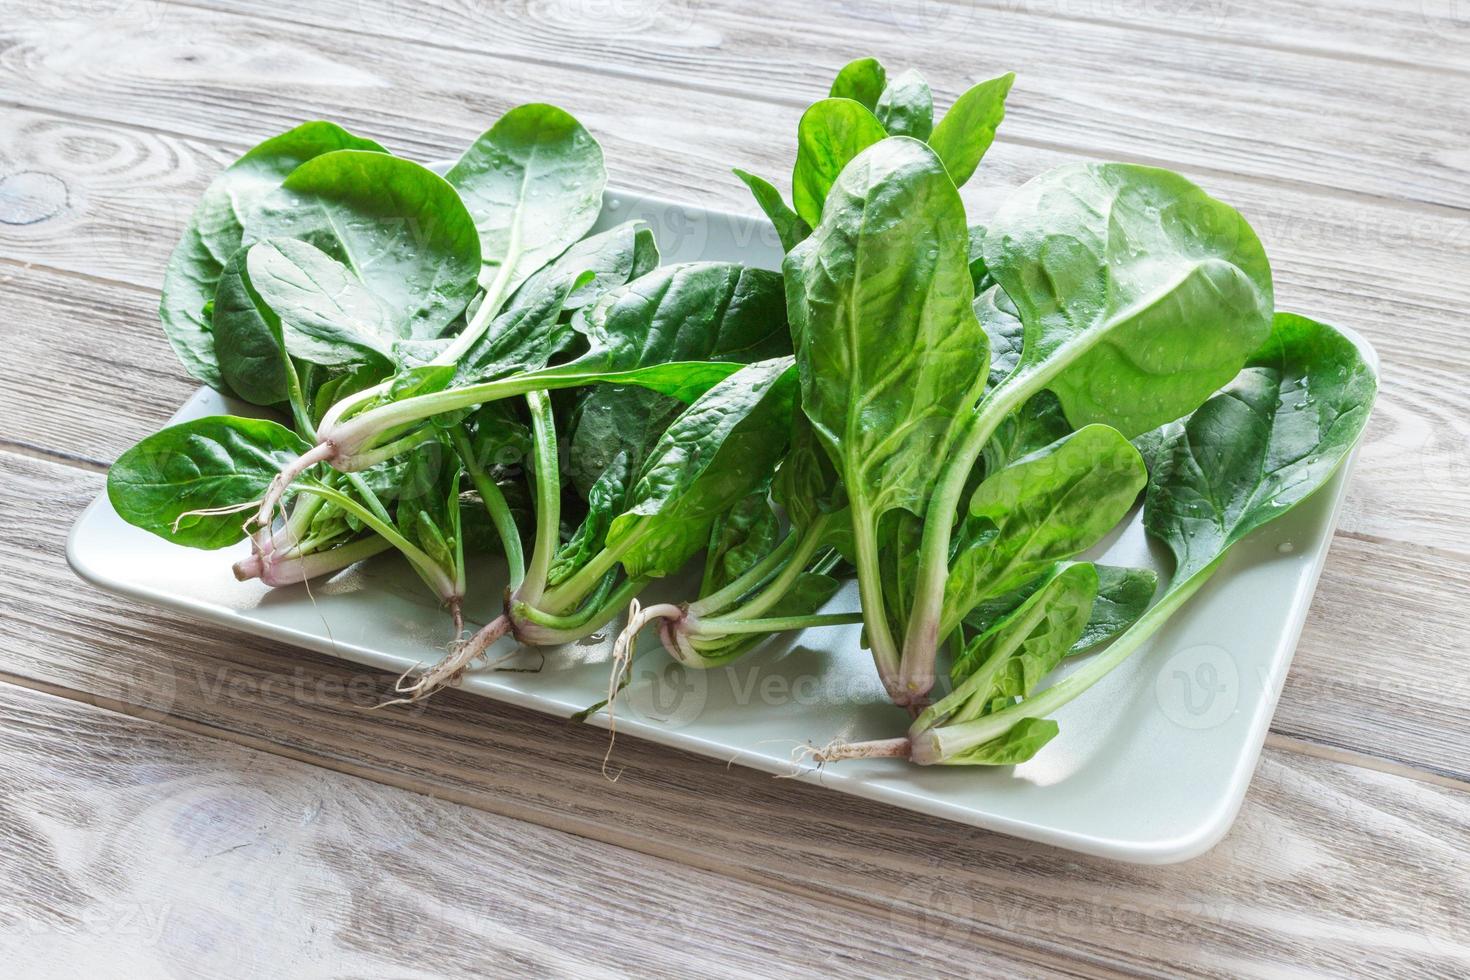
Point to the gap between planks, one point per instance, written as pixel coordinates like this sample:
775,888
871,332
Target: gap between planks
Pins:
744,95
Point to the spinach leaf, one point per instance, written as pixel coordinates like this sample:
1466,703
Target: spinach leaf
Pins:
399,227
614,420
247,340
830,134
1260,446
890,352
740,538
906,107
968,128
1246,457
1140,295
1006,663
862,81
328,317
1122,596
710,457
534,184
1041,509
216,230
790,229
215,462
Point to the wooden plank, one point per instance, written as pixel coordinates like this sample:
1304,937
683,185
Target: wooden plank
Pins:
1332,867
1413,32
1182,100
1368,265
131,848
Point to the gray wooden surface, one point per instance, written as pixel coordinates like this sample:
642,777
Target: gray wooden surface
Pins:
181,800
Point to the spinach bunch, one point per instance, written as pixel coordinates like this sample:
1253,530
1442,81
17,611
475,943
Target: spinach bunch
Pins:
759,577
1254,450
393,316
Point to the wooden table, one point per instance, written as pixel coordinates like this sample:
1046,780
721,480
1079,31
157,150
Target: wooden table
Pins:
181,799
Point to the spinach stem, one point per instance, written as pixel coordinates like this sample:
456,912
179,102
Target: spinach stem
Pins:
549,629
775,624
870,592
546,475
748,580
809,542
945,741
435,577
921,642
571,592
495,505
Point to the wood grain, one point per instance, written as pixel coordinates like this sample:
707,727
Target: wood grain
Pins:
1286,884
1183,100
258,796
134,849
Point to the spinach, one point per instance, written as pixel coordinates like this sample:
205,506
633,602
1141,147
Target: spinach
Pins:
968,128
863,108
1139,295
504,179
829,135
1045,507
216,231
862,81
906,107
1252,452
400,228
890,352
186,483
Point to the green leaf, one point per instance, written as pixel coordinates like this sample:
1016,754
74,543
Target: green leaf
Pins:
534,184
327,316
247,339
614,420
1019,744
1041,509
739,539
399,227
1122,596
1244,458
208,463
906,107
722,447
888,346
1260,446
862,81
806,484
1010,659
968,129
1140,295
215,232
692,311
790,229
831,133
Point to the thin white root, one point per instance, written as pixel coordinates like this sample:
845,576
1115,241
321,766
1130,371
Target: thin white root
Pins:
214,512
839,749
265,514
449,671
622,662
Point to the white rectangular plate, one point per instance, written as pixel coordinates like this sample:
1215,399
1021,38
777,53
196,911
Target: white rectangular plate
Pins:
1151,765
